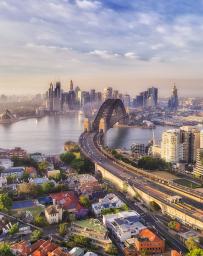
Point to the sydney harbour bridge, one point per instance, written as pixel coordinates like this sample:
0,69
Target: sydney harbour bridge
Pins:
134,181
111,112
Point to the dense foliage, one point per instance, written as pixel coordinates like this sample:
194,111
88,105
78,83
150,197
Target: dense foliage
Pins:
150,163
5,202
5,250
36,235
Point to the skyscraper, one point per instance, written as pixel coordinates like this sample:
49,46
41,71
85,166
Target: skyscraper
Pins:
108,93
173,100
147,98
71,85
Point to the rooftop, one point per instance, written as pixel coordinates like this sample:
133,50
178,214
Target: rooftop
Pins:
93,224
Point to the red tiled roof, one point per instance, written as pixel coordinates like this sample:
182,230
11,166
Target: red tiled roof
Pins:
59,252
39,248
68,200
146,233
45,248
24,248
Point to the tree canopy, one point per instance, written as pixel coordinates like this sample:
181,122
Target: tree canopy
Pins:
5,250
196,252
150,163
5,202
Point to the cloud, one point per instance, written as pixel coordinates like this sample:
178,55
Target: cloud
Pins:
126,34
104,54
130,55
88,5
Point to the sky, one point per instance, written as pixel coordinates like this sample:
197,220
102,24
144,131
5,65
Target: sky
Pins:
126,44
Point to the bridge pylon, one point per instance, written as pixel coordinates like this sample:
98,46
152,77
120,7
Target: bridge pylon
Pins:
87,125
102,125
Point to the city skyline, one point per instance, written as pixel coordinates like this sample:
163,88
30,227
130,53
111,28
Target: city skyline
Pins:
124,44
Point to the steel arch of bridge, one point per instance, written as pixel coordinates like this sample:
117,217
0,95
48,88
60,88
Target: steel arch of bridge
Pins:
113,111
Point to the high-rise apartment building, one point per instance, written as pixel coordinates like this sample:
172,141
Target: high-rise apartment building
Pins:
171,150
180,145
190,139
198,170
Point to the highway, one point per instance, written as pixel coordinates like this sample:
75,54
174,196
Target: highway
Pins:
90,148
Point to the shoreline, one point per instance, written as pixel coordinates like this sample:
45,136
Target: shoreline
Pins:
36,116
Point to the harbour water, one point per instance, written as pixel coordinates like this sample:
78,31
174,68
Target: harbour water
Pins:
48,134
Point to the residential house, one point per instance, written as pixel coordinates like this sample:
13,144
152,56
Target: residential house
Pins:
70,202
124,225
110,201
148,241
86,184
54,214
39,248
6,163
13,171
92,229
77,251
40,181
18,153
53,173
31,171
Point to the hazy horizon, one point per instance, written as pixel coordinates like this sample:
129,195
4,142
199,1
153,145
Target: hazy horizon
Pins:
129,45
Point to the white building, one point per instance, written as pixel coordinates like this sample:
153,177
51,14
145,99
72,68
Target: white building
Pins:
54,214
90,254
180,144
124,225
6,163
108,202
171,150
13,171
3,181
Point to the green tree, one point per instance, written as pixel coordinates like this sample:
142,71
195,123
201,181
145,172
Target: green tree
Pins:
11,179
111,249
14,229
150,163
191,244
40,221
196,252
47,187
36,235
84,200
28,189
67,157
25,176
42,167
5,250
81,240
63,229
5,202
78,165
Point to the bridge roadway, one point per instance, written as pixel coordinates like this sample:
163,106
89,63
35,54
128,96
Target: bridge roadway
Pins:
152,188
